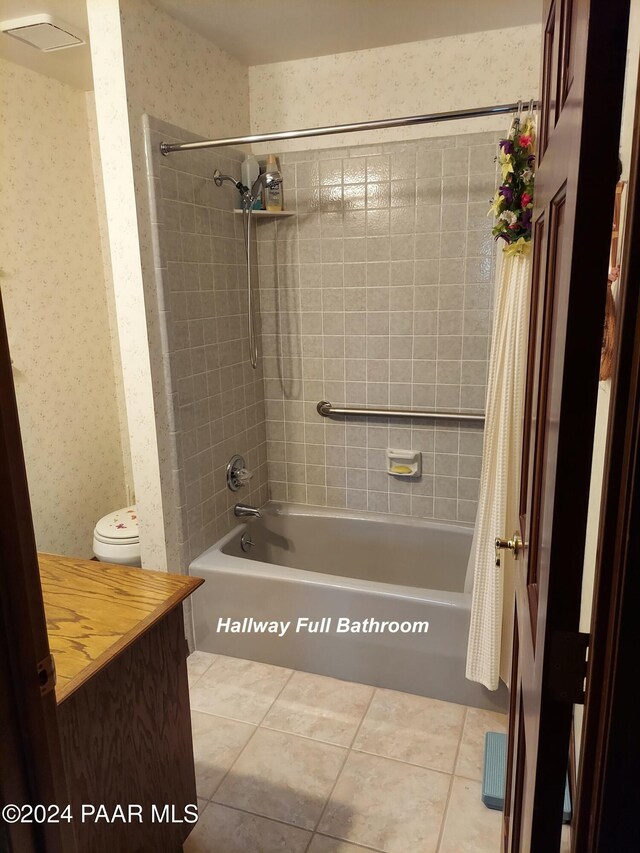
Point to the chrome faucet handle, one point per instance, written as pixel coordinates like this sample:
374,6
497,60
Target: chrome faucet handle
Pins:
237,473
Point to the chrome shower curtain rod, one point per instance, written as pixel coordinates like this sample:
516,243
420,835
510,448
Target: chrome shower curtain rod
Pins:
406,121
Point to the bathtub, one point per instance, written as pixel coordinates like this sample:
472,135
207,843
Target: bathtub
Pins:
360,596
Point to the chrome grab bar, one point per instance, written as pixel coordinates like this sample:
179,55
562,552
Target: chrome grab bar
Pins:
327,410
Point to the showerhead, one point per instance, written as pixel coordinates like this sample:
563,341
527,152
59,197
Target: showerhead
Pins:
269,179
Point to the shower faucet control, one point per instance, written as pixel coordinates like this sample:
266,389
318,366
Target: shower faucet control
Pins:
237,474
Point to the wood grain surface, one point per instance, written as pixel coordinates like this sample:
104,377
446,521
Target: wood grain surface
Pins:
126,738
96,610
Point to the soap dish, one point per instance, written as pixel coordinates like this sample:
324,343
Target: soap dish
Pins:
404,463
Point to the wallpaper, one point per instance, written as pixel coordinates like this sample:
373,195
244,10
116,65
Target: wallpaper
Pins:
178,76
146,62
54,294
457,72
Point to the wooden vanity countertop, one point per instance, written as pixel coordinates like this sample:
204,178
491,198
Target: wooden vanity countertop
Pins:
96,610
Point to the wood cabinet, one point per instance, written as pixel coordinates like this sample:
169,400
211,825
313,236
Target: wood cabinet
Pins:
117,639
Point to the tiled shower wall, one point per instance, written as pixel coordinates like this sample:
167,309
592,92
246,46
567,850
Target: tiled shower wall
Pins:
379,292
218,400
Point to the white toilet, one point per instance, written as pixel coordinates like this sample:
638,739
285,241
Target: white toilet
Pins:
116,538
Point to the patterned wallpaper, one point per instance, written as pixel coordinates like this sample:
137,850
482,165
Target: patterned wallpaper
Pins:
53,288
457,72
379,292
175,74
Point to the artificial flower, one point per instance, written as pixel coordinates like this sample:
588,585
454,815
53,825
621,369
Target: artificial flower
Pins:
512,204
520,247
507,169
506,192
496,206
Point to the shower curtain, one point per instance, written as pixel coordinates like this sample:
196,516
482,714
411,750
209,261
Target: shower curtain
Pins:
500,478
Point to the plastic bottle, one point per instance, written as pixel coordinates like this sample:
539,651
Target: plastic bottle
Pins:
273,195
250,171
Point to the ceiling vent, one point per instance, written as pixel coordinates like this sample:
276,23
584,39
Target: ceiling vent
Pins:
43,32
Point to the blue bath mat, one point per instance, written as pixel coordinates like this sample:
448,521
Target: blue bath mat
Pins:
494,773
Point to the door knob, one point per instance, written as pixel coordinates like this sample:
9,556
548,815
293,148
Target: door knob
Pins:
514,544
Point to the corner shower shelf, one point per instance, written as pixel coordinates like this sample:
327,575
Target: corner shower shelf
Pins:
268,212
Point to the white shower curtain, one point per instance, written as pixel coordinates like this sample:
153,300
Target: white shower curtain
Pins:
500,478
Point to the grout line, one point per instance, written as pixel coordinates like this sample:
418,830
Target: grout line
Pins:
350,843
253,734
339,774
197,680
264,817
455,762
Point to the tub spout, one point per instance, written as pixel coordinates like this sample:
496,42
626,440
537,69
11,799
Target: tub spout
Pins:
246,511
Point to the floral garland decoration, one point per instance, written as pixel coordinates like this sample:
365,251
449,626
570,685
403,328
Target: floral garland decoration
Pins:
513,202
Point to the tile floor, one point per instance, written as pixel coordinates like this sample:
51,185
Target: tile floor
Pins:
288,762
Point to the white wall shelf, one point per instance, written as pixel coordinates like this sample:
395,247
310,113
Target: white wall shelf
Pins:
268,212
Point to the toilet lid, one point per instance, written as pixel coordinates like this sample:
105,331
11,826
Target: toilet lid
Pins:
119,526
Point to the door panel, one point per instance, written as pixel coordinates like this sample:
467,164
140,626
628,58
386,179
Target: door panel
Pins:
31,770
583,77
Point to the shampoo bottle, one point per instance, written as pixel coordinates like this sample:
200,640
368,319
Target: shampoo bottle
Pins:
250,171
273,195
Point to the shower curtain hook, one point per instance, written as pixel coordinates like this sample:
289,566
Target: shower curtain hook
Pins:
519,110
531,107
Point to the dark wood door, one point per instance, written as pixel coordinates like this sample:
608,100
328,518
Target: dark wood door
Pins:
31,770
578,135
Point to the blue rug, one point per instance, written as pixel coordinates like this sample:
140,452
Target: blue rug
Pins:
494,774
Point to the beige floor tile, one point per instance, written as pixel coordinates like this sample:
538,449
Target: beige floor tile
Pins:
412,728
471,754
321,708
387,805
324,844
470,827
283,777
223,830
197,664
217,742
240,689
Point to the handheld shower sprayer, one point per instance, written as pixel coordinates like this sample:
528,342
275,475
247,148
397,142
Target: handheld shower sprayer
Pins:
268,179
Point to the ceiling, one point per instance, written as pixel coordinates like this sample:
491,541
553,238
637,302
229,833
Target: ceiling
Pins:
262,31
72,66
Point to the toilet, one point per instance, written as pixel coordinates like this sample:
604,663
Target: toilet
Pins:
116,538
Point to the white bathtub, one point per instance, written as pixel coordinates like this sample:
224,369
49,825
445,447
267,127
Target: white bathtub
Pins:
344,568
